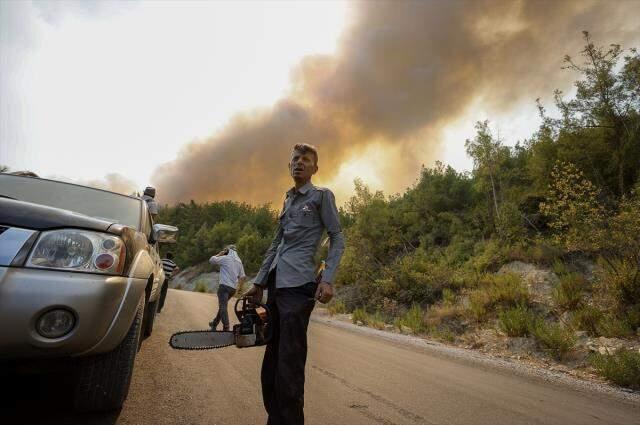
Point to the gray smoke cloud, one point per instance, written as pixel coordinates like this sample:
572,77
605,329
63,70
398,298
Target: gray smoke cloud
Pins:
404,70
113,182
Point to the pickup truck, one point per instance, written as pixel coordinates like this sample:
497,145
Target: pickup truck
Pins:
80,280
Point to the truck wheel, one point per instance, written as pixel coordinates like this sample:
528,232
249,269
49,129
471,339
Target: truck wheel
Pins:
103,380
150,318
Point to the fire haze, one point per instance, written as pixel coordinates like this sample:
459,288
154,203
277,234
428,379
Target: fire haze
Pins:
403,72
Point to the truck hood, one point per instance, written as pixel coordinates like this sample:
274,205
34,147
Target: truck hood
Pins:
41,217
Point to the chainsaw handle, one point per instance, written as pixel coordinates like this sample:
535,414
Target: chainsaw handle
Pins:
246,305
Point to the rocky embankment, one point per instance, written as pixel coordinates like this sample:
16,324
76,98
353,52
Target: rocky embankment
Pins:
201,277
488,338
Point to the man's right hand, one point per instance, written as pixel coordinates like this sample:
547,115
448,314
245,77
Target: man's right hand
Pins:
255,294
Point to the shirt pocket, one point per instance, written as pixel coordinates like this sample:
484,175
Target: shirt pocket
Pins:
306,217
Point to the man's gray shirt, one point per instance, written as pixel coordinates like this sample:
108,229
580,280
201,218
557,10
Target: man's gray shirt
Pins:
307,212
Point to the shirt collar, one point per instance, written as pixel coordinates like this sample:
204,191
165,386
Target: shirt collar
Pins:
303,190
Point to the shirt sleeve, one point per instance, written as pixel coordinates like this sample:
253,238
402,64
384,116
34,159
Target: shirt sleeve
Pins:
331,221
261,278
241,274
215,260
153,207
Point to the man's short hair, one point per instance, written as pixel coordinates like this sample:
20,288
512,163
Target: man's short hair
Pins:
170,255
306,148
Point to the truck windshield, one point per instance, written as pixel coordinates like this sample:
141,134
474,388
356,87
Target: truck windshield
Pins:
80,199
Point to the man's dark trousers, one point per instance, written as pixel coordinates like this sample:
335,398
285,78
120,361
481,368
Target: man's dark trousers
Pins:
286,355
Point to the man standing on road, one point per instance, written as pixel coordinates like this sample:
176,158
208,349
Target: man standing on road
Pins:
231,273
288,271
170,269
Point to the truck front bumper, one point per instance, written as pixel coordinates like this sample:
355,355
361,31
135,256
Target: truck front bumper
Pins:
103,306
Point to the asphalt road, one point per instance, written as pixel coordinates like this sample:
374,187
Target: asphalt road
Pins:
351,379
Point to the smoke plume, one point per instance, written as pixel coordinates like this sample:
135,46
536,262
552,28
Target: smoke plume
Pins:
404,70
114,182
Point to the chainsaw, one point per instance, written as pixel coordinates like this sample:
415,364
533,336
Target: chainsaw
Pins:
253,330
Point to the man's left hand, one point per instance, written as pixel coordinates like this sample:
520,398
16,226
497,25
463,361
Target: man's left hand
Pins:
324,293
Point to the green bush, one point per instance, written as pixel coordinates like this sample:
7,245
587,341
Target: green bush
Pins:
443,334
507,290
413,319
478,302
622,367
445,319
542,253
539,252
359,315
337,307
489,256
615,326
569,294
420,279
448,296
559,267
376,320
622,279
553,338
588,319
201,287
517,321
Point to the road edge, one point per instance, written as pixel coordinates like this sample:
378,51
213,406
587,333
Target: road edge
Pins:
484,360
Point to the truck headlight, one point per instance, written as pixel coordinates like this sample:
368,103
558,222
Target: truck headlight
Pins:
79,250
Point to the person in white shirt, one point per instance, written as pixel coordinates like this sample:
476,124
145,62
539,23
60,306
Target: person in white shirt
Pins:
231,273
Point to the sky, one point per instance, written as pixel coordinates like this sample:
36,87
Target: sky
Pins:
204,99
90,89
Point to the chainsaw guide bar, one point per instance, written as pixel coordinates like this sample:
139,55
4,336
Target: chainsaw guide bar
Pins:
201,340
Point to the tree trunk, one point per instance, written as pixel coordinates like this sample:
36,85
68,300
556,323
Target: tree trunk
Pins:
495,200
621,175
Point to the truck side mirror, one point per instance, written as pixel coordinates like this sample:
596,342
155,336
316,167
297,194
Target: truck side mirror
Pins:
163,233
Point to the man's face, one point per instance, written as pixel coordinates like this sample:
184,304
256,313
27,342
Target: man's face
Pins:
302,166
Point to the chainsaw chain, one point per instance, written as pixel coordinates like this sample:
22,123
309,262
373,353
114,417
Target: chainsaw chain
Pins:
202,347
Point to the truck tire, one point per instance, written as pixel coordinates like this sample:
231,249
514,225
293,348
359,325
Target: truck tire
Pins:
103,380
150,318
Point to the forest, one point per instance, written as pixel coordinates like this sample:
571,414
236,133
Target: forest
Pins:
567,198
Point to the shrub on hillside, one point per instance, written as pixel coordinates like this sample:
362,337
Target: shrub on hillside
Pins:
359,315
622,367
493,291
539,252
517,321
553,338
588,319
442,317
413,319
621,278
448,296
616,325
478,302
568,295
489,256
376,320
337,306
506,290
421,280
